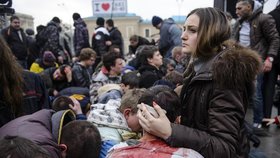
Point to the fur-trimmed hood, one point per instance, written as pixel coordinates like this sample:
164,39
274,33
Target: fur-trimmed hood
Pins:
234,67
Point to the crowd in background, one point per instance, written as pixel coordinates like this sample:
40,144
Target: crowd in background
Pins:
183,95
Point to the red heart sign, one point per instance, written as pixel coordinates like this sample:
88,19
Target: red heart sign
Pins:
105,6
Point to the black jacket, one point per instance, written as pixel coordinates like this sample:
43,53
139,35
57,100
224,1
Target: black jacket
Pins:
116,38
18,47
98,42
215,97
35,95
141,41
149,75
81,76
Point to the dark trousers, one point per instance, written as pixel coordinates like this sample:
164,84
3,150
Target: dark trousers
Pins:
269,82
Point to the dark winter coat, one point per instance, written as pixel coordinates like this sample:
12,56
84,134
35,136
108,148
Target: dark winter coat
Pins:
35,95
98,42
52,43
264,37
6,112
276,16
41,127
81,38
18,47
149,75
116,38
170,37
81,76
215,97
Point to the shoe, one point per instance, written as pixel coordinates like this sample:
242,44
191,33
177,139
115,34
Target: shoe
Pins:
257,125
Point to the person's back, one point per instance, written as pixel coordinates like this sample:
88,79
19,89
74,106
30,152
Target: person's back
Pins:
58,133
81,37
52,43
170,35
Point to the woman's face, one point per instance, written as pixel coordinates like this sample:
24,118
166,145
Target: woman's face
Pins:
189,36
156,60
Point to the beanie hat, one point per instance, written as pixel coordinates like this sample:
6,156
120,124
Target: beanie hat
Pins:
100,21
48,57
29,32
56,20
156,20
76,16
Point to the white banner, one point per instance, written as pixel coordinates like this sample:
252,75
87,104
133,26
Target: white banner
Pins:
102,7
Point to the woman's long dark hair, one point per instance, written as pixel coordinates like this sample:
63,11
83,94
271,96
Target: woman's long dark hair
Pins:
10,79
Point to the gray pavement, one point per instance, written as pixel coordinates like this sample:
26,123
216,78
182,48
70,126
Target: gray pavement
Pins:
270,144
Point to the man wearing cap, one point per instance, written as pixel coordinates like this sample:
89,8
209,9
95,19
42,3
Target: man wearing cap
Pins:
170,35
52,44
40,65
99,39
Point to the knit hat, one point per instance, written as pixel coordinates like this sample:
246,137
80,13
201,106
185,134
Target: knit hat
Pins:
156,20
100,21
76,16
48,57
56,20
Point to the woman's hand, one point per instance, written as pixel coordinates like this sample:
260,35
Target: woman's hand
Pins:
157,126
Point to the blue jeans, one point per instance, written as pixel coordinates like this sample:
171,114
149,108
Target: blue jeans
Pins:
258,100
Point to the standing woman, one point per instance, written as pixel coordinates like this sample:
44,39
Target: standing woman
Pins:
11,94
151,60
217,88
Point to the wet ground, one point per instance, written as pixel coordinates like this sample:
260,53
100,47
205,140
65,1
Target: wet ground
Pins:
270,144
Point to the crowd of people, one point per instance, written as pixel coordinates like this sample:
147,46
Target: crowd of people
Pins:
185,95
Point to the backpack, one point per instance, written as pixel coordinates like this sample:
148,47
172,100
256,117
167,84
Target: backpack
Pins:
42,37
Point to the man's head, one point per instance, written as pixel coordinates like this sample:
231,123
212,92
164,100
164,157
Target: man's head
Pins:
134,40
15,147
157,21
166,98
87,56
76,16
177,54
48,58
244,8
62,103
100,21
80,139
113,63
109,24
15,22
130,80
56,20
60,73
129,108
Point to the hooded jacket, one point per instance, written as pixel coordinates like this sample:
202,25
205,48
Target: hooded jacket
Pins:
52,43
81,38
215,97
170,36
43,128
264,37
